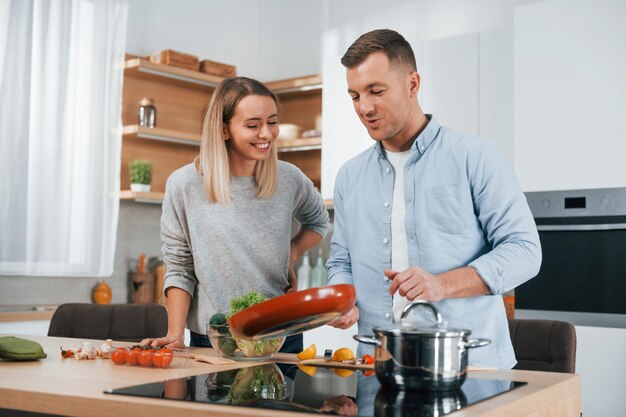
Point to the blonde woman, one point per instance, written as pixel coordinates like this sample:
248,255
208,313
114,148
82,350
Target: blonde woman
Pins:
226,222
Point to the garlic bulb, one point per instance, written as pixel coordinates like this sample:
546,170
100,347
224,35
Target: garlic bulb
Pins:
86,351
106,349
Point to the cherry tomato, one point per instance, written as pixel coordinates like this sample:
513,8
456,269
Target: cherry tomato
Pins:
132,356
118,356
163,358
145,358
368,359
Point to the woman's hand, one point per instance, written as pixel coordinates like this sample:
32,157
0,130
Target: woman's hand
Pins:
304,240
294,255
293,280
167,341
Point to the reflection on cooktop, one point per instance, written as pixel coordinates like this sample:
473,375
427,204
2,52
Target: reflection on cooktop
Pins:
317,390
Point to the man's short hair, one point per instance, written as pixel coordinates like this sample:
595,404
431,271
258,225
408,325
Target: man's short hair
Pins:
388,41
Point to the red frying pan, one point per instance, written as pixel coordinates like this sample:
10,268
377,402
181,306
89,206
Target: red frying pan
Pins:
293,313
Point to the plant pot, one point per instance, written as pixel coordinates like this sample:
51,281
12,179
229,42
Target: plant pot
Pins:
140,188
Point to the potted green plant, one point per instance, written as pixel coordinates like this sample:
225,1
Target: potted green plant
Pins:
140,175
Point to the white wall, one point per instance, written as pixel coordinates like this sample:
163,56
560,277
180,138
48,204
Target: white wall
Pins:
220,31
570,94
265,39
289,41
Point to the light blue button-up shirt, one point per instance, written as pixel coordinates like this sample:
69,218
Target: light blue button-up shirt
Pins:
464,207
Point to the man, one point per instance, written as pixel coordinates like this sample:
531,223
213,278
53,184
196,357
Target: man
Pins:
427,213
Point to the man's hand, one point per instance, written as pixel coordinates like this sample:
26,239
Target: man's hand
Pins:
347,320
342,405
416,284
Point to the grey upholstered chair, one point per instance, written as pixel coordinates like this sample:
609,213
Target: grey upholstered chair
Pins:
123,322
544,345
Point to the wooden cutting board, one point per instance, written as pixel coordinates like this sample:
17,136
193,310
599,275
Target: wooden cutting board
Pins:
332,364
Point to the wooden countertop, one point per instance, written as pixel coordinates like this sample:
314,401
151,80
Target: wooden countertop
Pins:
75,388
26,313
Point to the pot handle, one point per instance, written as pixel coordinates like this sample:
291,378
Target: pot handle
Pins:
368,340
435,310
474,343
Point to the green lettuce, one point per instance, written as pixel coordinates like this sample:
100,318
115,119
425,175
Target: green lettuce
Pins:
245,301
266,382
253,348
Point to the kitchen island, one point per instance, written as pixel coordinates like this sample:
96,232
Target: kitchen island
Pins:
76,388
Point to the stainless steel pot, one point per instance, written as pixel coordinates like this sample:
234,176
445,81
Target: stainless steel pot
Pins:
421,358
396,403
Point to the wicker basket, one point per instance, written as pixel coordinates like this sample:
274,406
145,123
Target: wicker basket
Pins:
217,68
176,59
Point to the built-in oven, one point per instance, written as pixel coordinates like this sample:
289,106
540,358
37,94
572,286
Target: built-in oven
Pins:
583,273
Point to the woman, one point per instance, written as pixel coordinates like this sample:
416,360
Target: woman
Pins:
226,221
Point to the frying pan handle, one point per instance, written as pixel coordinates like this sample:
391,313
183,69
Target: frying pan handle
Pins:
435,310
474,343
368,340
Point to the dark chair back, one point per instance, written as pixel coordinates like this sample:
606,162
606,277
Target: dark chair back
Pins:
544,345
122,322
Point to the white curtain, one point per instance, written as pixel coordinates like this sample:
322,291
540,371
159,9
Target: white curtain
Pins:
60,118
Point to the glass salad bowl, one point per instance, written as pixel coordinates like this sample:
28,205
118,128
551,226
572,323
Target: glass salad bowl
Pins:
231,347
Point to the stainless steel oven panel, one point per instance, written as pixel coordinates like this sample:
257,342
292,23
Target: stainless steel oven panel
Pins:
583,273
597,202
575,227
617,321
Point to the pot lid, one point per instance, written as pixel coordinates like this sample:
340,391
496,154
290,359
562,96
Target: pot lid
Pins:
438,328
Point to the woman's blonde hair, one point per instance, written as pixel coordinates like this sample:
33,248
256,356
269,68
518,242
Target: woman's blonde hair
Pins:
213,162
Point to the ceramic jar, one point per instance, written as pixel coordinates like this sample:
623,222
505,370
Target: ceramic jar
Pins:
102,293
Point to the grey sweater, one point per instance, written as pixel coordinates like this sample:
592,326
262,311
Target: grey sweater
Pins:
217,252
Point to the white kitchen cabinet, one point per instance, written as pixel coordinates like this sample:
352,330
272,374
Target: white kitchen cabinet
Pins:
570,94
450,81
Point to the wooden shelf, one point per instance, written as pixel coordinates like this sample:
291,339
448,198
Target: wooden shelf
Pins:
299,145
165,135
167,73
296,85
173,136
157,198
181,97
151,197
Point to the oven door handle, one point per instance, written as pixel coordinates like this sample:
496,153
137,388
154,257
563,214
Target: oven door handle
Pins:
575,227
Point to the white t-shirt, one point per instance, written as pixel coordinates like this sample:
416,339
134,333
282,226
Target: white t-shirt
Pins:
399,247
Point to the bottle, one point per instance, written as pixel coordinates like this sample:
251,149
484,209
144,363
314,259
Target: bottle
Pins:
509,303
304,273
319,276
146,112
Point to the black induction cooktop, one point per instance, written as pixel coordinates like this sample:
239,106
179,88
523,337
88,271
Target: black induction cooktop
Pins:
328,391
